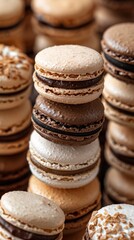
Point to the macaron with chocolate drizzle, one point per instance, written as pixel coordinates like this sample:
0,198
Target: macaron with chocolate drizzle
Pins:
27,216
68,124
118,51
69,74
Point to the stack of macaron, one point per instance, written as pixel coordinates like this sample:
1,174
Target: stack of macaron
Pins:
64,150
118,52
115,221
12,22
15,114
64,22
25,216
113,12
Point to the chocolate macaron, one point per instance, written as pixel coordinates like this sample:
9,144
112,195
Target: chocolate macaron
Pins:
77,204
68,124
119,100
27,216
15,127
70,74
119,187
61,165
14,173
111,222
119,150
118,51
15,77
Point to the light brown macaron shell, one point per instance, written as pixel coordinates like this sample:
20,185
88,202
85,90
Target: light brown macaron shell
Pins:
68,63
119,187
66,13
32,213
89,199
120,140
11,12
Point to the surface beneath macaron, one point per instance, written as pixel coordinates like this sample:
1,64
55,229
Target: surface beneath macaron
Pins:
28,213
63,123
110,222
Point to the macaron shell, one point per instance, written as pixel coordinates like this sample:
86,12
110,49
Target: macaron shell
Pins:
126,168
61,181
69,96
37,219
119,186
119,93
67,199
11,12
63,156
119,39
116,116
18,66
67,13
7,102
19,119
63,62
121,139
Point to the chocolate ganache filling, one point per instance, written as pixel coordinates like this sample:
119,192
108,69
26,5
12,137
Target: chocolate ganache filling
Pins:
69,84
116,63
77,134
14,93
7,28
123,158
23,234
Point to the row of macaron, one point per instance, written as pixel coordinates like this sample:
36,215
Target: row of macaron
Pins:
26,216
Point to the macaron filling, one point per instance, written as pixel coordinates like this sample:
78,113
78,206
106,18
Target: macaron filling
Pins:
131,114
23,234
122,65
123,158
7,94
16,136
7,28
69,84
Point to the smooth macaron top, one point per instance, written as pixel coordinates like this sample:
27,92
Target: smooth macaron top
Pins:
69,62
70,200
112,222
121,138
15,70
76,115
120,39
11,11
32,213
65,13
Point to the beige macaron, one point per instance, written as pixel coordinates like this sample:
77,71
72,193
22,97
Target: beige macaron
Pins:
70,74
26,215
77,204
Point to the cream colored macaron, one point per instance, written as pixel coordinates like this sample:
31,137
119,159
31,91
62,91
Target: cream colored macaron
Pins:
26,216
70,74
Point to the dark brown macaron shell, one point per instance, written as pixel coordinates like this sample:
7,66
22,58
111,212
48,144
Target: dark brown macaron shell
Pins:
118,51
68,124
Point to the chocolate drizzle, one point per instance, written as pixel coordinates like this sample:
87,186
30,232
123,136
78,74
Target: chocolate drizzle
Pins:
77,134
122,65
69,84
23,234
123,158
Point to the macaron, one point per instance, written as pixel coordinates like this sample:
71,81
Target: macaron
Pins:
69,74
119,100
68,124
76,206
61,165
111,222
14,173
27,216
119,150
120,6
118,51
64,23
11,22
15,127
119,187
15,77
